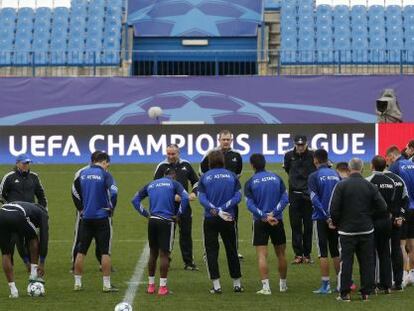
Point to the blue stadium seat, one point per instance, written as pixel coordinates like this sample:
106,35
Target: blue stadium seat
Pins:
324,16
112,46
24,37
306,49
25,16
289,9
76,48
377,47
288,49
6,47
395,44
116,5
409,49
324,47
359,47
342,48
8,16
341,15
359,15
306,21
41,35
408,15
393,16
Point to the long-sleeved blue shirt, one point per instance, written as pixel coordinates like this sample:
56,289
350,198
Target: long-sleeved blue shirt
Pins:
99,192
219,189
266,193
405,169
321,184
161,193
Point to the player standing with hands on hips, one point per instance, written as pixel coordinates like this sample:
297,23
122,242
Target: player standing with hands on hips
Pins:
162,216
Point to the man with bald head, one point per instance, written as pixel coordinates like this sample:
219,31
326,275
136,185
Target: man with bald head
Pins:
354,203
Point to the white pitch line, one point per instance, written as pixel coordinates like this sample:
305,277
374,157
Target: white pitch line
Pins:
136,278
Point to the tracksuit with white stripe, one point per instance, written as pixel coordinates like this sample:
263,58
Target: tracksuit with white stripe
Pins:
219,191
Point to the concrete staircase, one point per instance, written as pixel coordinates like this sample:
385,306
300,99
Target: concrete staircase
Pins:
269,44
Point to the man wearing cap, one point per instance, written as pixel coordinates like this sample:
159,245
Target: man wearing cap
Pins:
22,184
298,164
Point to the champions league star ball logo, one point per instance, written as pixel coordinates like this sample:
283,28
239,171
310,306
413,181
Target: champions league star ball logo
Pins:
195,106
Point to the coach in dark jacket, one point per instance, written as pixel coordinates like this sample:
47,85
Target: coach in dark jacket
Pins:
185,174
21,184
298,164
354,203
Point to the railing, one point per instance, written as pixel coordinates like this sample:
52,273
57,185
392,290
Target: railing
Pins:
205,63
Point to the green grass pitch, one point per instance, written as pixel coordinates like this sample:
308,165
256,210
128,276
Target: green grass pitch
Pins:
190,288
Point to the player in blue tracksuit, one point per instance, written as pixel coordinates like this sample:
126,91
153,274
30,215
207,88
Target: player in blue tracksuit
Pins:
321,184
266,198
219,193
98,196
162,214
405,169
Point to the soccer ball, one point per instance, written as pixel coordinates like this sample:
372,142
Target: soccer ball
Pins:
123,306
36,289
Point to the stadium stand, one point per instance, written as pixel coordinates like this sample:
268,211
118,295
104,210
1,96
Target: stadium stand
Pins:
356,34
85,33
205,37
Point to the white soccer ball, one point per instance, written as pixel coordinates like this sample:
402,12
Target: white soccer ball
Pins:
36,289
154,112
123,306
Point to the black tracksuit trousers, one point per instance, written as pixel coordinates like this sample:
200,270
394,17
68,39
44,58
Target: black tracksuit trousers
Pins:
212,228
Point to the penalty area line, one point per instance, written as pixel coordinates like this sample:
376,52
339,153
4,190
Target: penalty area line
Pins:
136,277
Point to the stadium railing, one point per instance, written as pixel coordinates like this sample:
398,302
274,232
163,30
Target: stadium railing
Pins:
206,63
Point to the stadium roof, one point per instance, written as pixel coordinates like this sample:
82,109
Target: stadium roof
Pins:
195,18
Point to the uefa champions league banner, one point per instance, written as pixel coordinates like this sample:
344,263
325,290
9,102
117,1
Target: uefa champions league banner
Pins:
147,143
210,100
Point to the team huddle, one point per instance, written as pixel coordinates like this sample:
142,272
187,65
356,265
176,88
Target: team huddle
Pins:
372,218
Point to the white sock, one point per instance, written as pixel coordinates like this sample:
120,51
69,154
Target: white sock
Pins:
163,281
282,282
106,281
33,271
216,284
405,273
325,278
265,284
78,280
13,288
236,282
151,280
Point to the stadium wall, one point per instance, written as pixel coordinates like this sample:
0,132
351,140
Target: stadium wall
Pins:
211,100
147,143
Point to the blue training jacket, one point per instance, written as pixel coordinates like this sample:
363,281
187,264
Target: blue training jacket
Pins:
321,185
161,193
219,189
405,169
266,193
99,192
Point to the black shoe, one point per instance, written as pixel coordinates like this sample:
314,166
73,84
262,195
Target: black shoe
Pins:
238,289
216,291
191,267
397,288
364,297
240,256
